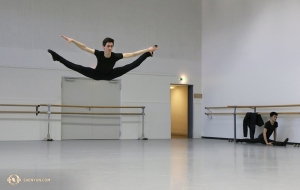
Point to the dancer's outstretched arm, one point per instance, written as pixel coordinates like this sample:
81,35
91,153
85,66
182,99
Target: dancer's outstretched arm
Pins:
80,45
150,49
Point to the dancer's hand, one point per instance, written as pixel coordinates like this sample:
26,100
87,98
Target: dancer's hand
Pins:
270,143
68,39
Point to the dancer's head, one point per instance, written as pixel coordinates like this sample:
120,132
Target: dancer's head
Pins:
106,40
273,116
108,44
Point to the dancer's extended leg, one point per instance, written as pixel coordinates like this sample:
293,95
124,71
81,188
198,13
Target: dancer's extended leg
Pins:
86,71
261,140
257,140
119,71
276,143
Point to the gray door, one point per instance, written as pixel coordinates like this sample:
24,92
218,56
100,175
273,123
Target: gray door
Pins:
87,92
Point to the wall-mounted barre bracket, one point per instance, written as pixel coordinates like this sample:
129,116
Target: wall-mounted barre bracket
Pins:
37,110
209,115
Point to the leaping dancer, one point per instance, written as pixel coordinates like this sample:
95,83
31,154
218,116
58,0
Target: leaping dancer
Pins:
106,60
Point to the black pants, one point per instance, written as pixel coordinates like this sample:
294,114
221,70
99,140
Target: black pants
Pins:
251,120
252,131
96,75
260,139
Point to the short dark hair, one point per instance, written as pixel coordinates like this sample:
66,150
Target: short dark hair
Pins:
106,40
273,113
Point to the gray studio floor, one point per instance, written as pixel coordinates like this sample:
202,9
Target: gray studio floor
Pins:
198,164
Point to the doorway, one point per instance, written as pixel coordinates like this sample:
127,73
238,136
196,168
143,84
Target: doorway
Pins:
181,97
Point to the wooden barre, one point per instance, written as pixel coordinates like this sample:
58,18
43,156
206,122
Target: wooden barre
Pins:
20,105
68,113
30,105
266,106
82,113
19,112
220,113
262,113
216,107
72,106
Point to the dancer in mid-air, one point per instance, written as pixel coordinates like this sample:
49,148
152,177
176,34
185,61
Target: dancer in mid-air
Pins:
106,60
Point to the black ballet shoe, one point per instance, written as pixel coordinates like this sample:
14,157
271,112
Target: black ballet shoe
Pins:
55,56
285,141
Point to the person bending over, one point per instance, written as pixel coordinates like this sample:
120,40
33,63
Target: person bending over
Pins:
264,138
106,60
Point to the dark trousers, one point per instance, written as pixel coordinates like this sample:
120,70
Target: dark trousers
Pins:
252,131
261,140
94,74
251,120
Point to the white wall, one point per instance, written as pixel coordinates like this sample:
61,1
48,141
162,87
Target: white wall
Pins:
154,93
29,76
250,57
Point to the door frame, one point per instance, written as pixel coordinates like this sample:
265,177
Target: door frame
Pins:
190,108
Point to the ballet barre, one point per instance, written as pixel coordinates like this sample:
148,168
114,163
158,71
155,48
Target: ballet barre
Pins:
72,106
254,107
19,105
49,112
244,113
266,106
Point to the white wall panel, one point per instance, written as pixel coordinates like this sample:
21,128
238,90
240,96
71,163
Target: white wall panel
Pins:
250,55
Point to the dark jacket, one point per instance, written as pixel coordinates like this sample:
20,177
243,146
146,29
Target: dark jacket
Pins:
251,120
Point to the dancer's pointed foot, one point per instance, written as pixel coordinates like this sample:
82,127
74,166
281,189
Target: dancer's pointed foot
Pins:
55,56
285,141
154,48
